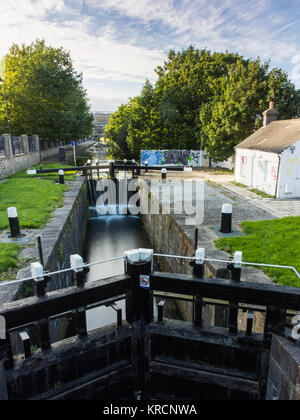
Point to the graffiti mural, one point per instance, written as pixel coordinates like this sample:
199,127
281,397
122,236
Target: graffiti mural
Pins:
154,157
171,157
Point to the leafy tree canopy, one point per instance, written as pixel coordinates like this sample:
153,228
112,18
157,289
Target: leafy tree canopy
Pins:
202,98
45,94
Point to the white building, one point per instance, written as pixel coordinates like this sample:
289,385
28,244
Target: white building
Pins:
269,160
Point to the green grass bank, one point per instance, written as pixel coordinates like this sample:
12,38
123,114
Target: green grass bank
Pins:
271,242
36,198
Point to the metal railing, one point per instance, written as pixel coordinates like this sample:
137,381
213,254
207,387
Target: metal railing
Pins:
195,258
2,147
17,145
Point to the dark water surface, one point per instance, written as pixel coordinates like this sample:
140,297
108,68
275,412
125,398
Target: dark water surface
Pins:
108,237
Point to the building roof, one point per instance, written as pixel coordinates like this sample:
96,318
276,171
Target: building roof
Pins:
274,138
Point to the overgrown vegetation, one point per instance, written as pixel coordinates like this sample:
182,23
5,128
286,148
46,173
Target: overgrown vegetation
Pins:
271,242
238,184
261,193
201,98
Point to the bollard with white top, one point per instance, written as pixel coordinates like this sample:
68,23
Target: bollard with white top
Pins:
13,222
198,264
226,221
146,164
79,270
236,266
61,175
164,174
38,273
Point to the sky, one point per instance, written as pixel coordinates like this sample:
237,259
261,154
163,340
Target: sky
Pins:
117,44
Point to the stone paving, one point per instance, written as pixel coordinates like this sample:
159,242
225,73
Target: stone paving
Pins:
276,208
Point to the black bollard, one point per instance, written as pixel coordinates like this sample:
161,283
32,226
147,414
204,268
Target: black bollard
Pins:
226,222
146,164
61,175
13,222
163,174
112,169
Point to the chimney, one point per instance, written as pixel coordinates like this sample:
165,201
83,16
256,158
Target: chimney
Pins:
270,114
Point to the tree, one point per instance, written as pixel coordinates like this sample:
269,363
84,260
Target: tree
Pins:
45,94
210,99
235,110
143,131
117,131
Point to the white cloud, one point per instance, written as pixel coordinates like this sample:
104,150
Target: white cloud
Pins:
248,27
97,57
251,28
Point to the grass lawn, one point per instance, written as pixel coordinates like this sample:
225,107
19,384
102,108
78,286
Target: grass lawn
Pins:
35,200
9,256
270,242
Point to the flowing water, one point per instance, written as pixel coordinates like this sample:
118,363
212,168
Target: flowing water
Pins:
107,237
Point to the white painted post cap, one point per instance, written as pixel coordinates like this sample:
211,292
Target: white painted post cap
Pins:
77,263
132,256
137,255
227,208
163,171
61,172
146,162
37,271
31,172
145,254
12,212
125,160
200,255
238,259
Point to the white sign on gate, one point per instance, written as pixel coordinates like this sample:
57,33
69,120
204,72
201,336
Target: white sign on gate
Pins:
144,281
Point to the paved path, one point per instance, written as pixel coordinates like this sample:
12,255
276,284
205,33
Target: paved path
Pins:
276,208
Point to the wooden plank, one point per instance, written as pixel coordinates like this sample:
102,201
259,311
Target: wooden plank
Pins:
197,375
26,311
244,292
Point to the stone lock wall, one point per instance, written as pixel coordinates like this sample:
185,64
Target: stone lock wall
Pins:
284,371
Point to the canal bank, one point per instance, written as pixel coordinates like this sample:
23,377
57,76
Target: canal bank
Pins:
61,237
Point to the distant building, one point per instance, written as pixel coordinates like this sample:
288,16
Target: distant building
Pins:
101,119
269,159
